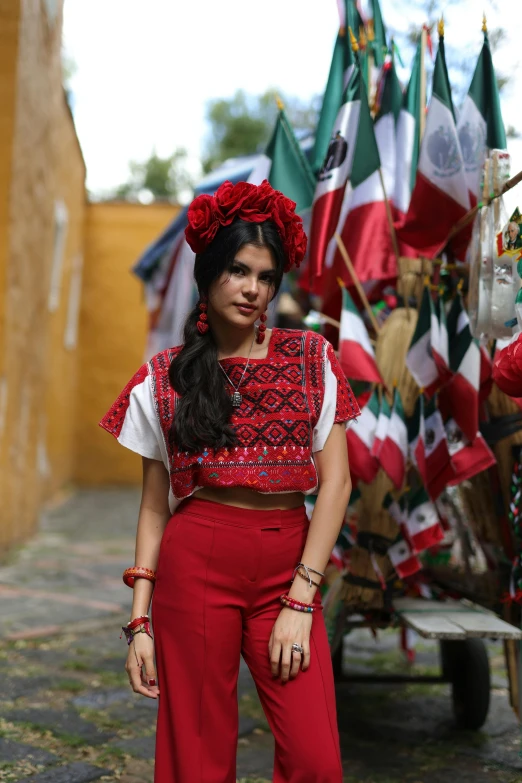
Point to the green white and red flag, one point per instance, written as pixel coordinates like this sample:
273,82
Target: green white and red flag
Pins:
423,526
480,126
383,422
360,437
341,163
467,458
388,100
439,340
332,99
403,558
393,453
419,359
356,353
378,45
440,197
462,392
408,140
429,448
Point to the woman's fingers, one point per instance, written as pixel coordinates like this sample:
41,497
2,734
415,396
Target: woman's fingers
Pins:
305,658
296,663
149,677
275,657
138,679
286,662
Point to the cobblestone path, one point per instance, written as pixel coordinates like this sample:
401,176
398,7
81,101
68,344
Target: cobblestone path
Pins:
67,715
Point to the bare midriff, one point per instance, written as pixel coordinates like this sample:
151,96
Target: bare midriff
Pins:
248,498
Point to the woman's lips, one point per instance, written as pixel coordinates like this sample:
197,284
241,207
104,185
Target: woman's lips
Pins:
245,309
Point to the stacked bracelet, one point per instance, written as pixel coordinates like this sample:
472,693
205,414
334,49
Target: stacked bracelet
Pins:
138,625
307,570
138,572
306,578
298,606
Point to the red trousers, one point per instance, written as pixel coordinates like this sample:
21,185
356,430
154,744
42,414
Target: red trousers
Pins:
220,573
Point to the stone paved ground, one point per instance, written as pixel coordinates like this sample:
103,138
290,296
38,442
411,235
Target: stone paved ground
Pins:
67,716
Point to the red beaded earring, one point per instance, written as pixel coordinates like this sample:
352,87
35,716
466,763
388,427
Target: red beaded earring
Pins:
202,320
261,329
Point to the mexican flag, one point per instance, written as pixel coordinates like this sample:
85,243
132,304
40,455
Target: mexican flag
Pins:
389,99
480,124
439,339
379,45
419,359
332,100
393,453
429,448
343,161
423,526
383,422
465,361
408,139
440,197
360,438
467,458
356,354
403,558
285,166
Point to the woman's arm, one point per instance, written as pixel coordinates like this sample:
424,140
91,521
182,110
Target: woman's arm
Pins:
334,493
333,496
154,515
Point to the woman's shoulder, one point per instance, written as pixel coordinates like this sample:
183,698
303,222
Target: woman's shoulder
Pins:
162,359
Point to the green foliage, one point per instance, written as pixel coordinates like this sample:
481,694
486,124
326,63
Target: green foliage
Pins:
162,178
242,125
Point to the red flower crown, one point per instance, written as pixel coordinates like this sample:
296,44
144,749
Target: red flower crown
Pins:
253,203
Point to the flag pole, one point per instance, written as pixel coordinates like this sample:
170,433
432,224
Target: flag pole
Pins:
422,118
330,321
357,283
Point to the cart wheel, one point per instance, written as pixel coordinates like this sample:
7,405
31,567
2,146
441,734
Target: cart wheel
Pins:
465,664
337,659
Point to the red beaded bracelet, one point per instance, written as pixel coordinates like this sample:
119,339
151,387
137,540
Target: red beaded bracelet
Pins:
138,621
298,606
138,572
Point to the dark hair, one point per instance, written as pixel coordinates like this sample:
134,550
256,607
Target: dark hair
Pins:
202,414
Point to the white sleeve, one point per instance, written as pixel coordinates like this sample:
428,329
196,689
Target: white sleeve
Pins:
327,416
141,431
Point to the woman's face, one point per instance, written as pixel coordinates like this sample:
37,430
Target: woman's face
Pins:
240,295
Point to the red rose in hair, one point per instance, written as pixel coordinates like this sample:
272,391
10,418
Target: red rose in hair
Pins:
230,199
203,223
507,369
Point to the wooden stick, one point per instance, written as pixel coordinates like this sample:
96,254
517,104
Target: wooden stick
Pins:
356,282
422,118
330,321
468,217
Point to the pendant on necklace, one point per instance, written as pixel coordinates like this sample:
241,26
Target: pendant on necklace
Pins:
236,399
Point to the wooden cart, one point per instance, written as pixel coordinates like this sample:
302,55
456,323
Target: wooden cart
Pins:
461,628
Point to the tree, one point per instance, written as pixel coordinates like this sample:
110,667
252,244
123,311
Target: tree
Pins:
159,178
242,125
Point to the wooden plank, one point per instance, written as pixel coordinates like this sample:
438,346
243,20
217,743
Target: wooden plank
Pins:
439,607
432,626
483,625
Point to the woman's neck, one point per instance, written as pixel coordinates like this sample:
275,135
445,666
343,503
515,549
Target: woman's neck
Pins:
232,341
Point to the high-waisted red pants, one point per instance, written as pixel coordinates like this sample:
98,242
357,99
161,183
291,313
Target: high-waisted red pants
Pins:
220,573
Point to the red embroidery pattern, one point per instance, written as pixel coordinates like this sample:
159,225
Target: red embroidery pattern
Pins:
282,400
115,416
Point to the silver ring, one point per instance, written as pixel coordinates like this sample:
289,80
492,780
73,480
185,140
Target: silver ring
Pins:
297,648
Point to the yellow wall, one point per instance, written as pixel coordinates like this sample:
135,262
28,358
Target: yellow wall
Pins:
113,328
45,164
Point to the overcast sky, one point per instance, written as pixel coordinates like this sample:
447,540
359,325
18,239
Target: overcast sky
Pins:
146,70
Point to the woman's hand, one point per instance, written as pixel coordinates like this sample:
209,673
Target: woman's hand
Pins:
290,627
140,666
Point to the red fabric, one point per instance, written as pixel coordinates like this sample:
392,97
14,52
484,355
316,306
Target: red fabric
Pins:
357,364
507,368
220,573
115,416
325,215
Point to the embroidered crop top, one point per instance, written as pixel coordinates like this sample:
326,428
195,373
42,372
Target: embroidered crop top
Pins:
290,401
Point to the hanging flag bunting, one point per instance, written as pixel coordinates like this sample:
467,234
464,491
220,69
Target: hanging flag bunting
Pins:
383,422
356,353
393,453
440,197
465,360
408,139
423,526
480,126
467,458
360,438
419,359
388,100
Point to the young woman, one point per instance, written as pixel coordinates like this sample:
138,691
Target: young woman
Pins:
235,426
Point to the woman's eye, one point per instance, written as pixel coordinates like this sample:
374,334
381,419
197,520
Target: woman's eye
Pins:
236,270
